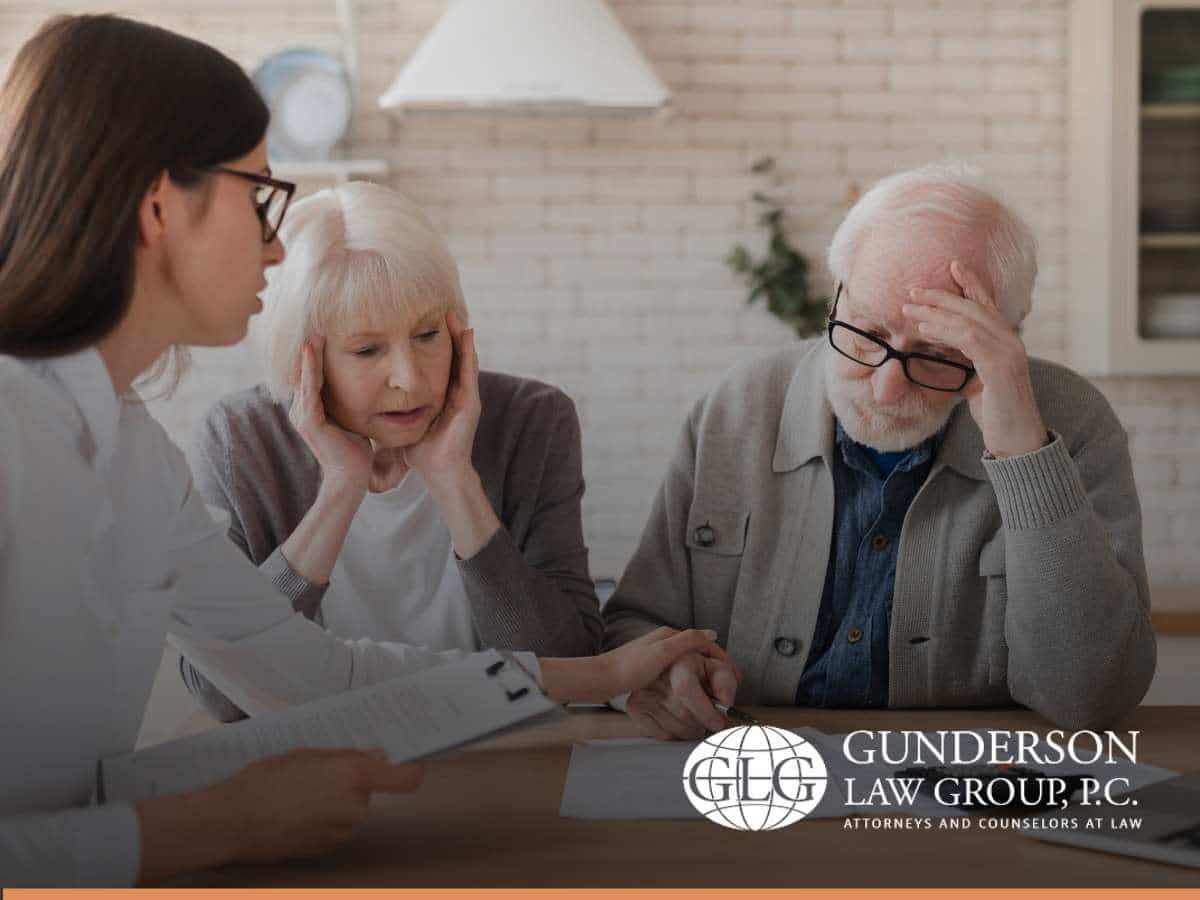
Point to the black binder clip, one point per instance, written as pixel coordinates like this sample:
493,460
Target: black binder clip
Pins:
494,669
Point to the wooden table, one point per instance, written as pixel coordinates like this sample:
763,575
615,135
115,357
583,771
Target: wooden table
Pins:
488,817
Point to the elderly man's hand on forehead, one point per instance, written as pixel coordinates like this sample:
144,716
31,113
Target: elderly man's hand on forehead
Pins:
1001,397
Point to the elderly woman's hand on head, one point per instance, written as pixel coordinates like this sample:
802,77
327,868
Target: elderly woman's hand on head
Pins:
443,455
348,463
350,466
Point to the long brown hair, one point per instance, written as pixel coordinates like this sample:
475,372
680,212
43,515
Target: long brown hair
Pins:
95,108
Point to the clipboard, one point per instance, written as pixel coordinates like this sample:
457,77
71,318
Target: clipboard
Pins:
410,717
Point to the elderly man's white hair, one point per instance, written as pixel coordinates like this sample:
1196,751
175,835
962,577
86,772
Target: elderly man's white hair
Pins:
945,201
356,253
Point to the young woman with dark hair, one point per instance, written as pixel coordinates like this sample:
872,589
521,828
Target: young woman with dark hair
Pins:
137,214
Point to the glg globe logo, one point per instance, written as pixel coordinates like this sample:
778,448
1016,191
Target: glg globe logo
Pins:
754,778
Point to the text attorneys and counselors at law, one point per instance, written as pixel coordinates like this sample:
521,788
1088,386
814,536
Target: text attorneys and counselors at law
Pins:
909,511
389,488
131,221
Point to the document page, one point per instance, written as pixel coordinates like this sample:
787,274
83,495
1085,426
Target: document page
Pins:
623,779
408,717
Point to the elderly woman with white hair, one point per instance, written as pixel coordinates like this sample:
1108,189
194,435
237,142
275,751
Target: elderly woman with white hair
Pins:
388,487
910,511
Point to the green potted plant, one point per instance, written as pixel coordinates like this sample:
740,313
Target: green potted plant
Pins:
780,277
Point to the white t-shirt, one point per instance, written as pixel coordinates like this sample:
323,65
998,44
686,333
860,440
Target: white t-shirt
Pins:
396,578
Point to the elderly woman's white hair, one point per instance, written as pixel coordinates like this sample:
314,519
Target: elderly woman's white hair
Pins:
358,252
948,200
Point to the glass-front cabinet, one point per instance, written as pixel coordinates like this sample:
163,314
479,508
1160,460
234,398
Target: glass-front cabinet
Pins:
1134,164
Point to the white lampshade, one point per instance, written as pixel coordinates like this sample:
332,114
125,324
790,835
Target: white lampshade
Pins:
547,54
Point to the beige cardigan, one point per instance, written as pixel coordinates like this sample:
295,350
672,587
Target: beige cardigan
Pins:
1016,580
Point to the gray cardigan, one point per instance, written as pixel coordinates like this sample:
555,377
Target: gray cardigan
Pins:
529,586
1019,579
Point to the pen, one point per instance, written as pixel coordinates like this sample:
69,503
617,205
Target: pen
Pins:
732,712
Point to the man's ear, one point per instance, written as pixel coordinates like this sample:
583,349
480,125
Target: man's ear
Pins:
152,214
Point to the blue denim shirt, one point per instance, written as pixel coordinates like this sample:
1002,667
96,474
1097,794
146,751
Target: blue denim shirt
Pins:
848,662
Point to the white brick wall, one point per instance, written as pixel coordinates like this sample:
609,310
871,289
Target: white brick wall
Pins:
592,249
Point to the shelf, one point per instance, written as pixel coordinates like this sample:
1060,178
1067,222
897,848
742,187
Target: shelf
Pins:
1169,240
1171,111
1128,157
333,169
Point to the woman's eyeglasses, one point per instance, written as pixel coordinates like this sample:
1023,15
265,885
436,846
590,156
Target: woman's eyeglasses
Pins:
271,199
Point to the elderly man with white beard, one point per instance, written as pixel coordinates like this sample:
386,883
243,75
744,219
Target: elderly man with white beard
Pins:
908,511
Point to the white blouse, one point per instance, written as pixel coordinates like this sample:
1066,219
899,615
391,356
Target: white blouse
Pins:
105,548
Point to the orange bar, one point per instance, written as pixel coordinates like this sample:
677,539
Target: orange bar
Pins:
593,894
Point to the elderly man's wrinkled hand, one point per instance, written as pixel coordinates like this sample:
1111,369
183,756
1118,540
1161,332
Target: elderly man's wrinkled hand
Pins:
1001,397
679,705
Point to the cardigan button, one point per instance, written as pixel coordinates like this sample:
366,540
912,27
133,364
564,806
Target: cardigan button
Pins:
705,535
786,646
854,635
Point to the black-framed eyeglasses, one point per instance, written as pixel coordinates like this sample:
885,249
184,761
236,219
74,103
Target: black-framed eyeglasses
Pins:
922,369
271,198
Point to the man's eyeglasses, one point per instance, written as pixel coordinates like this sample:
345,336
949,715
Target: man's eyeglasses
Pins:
271,199
922,369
